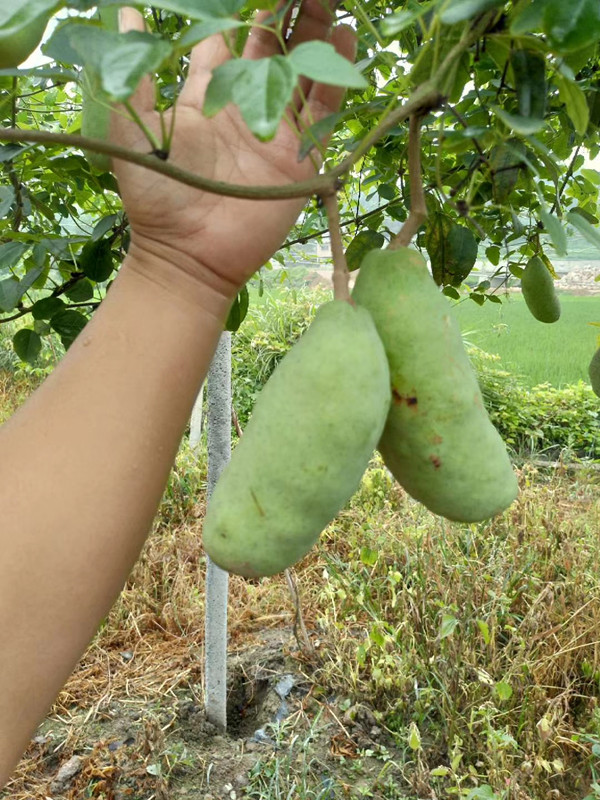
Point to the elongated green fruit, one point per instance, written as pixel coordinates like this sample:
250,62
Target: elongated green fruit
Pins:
96,109
314,428
538,290
438,440
22,25
594,371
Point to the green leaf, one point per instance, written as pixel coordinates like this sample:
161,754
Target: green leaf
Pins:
200,9
68,325
96,261
452,250
321,62
220,89
119,60
317,131
400,20
238,310
368,556
459,10
7,198
530,18
81,291
572,25
360,246
47,307
263,92
503,690
414,737
27,345
12,290
448,626
103,226
575,102
522,125
555,230
529,70
505,163
590,232
202,30
11,253
484,629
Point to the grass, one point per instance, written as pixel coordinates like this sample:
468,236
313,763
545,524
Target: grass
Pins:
558,354
474,647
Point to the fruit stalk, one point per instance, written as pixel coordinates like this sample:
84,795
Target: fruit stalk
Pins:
341,276
418,207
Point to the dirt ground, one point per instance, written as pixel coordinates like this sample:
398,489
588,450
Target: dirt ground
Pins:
279,724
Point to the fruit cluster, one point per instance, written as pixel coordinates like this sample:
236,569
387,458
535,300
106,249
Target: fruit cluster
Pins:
386,370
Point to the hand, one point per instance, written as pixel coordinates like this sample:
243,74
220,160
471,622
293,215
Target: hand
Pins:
208,235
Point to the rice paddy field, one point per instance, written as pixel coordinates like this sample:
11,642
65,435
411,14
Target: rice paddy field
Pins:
558,354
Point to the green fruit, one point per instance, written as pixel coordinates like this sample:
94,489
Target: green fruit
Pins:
594,371
22,31
314,428
96,106
538,290
438,440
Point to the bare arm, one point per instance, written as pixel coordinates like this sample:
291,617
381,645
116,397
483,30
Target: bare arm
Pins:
97,440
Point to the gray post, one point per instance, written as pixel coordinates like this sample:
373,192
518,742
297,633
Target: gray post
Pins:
219,452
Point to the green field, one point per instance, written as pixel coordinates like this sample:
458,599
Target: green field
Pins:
558,354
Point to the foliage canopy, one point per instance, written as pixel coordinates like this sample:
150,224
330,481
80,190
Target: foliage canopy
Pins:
509,94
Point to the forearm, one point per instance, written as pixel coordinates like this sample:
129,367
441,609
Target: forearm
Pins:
83,465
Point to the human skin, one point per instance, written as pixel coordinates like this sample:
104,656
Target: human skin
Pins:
84,462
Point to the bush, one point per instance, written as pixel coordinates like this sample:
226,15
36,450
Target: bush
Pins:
539,420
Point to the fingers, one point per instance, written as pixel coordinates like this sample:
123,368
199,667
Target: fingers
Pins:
263,43
314,21
206,56
143,97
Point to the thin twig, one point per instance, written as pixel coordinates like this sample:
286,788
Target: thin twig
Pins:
236,422
300,632
341,276
418,207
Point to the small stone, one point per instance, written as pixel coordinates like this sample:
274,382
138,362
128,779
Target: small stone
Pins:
66,774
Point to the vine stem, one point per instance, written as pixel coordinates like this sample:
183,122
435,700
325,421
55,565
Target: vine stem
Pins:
341,276
418,207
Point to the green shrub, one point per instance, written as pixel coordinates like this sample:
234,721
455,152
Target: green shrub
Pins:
543,419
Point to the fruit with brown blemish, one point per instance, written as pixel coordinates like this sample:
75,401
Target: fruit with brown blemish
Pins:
313,430
438,440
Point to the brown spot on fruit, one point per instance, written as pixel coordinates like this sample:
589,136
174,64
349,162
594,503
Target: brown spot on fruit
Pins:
436,439
410,400
436,461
